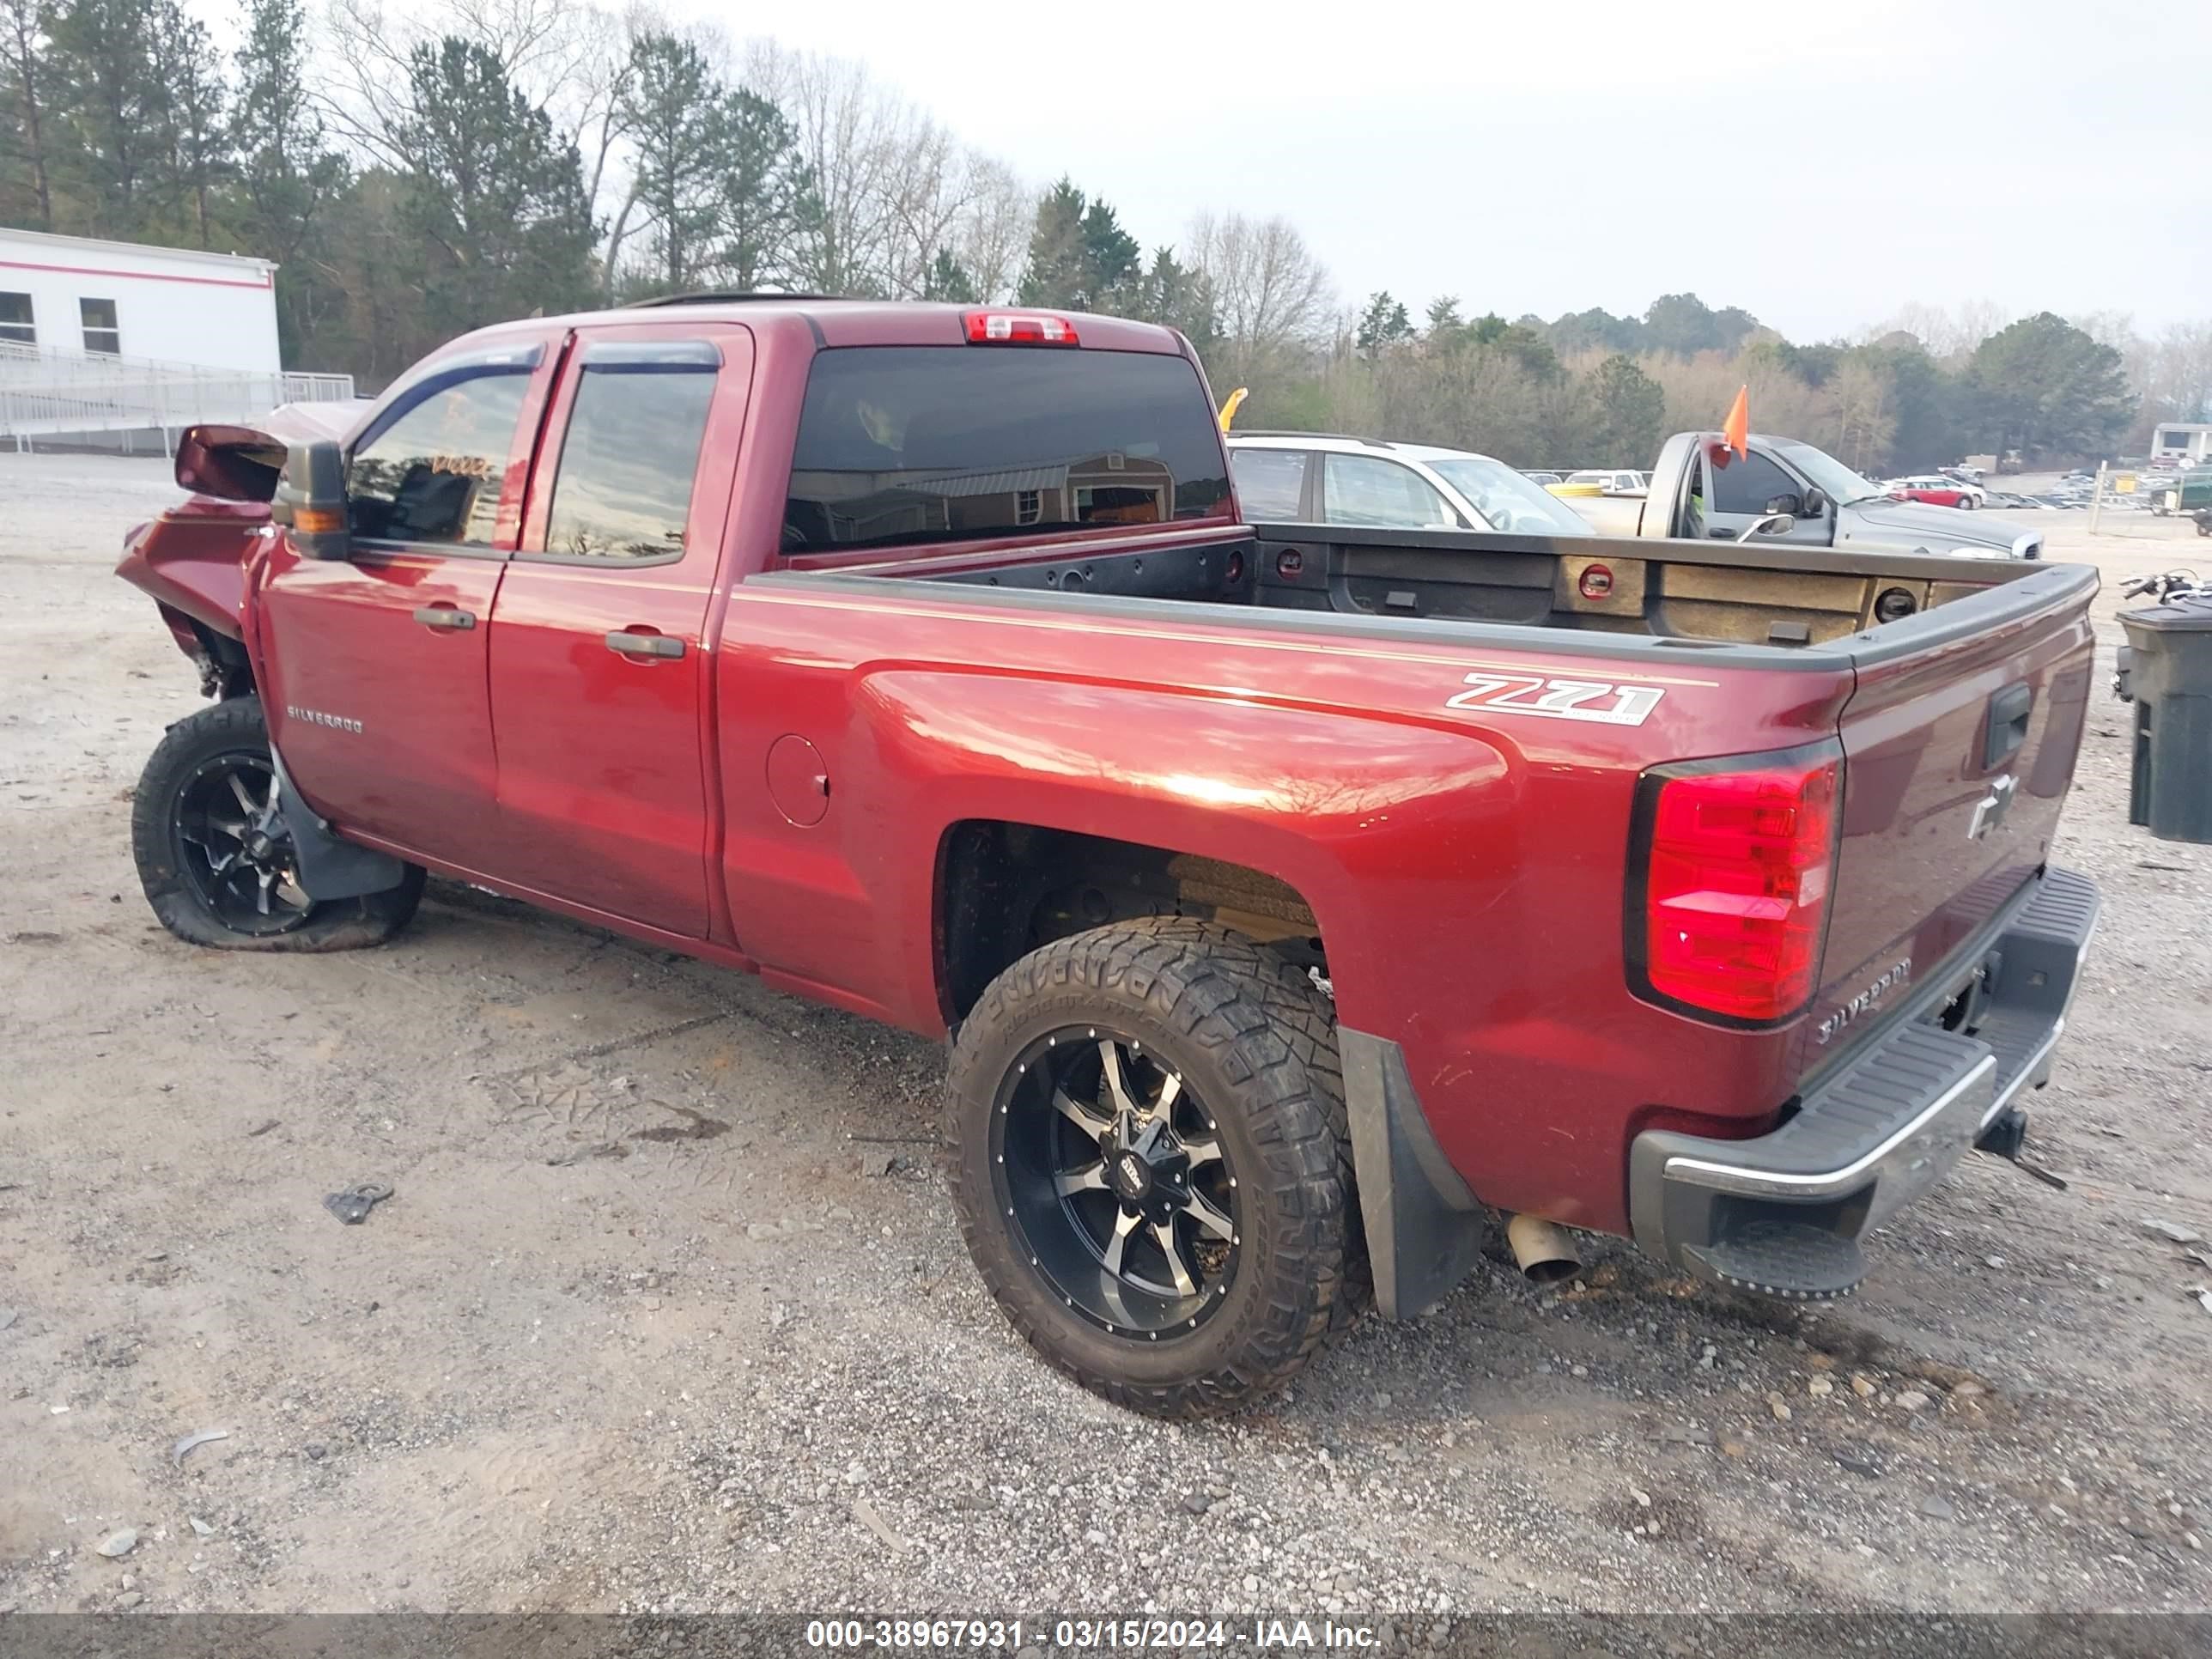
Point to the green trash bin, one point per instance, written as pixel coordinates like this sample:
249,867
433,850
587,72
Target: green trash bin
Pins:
2170,788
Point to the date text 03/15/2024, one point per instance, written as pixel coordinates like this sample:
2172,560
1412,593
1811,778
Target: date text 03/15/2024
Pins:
1088,1635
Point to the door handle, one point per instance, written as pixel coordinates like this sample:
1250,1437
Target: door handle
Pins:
445,615
644,645
2007,727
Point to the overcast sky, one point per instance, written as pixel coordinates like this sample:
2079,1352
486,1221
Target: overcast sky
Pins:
1817,164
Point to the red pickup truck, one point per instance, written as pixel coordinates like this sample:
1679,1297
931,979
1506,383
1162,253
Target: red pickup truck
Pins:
1294,898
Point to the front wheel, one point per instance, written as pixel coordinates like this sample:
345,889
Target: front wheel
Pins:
215,857
1154,1173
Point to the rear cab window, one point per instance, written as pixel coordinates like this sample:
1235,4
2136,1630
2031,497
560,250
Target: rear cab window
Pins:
902,446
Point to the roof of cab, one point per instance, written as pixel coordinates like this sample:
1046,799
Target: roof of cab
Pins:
853,322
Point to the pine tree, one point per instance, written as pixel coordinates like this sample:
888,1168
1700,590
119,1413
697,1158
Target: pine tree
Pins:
498,195
1383,324
768,204
111,114
288,175
189,93
26,114
673,106
947,281
1080,258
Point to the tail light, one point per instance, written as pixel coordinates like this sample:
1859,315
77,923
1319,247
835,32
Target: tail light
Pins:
1019,328
1736,860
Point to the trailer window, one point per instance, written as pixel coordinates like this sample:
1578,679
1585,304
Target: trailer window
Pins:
103,334
948,443
16,327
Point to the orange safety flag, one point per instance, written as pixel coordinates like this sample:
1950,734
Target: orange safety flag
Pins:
1737,430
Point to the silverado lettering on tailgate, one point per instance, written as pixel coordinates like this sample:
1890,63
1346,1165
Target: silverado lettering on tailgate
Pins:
1559,700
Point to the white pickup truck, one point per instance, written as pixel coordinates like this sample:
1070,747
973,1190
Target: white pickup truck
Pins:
1702,490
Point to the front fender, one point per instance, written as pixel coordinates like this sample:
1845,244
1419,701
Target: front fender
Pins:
192,560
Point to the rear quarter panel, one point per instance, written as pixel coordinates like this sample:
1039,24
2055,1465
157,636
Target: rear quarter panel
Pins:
1466,867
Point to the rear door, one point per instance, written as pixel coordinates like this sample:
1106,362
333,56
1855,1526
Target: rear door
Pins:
1959,745
596,658
375,666
1370,491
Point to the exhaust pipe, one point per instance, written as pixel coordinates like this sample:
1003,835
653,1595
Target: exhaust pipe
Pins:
1543,1250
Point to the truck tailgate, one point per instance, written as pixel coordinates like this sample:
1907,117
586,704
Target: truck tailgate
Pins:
1960,741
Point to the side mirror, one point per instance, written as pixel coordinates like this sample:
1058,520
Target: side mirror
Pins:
1786,502
1814,504
1774,524
311,500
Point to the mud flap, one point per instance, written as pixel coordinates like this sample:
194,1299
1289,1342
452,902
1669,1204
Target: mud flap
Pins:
330,868
1425,1229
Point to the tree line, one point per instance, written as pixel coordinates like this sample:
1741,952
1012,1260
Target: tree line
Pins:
415,177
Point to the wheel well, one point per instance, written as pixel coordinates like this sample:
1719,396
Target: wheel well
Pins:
226,671
1005,888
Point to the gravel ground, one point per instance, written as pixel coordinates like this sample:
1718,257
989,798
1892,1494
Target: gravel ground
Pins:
669,1312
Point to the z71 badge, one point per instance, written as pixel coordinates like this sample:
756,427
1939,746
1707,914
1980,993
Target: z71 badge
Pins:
1559,700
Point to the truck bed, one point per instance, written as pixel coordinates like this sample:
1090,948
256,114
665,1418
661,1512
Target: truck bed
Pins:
1683,593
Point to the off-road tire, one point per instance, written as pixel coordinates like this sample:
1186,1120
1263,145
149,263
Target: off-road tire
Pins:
1255,1038
224,728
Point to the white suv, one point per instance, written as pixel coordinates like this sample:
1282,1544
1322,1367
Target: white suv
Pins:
1315,477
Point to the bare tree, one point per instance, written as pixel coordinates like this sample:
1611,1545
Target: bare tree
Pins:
1270,294
992,236
2178,378
848,133
1946,333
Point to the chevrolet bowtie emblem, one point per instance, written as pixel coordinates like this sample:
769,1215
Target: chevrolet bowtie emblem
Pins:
1990,811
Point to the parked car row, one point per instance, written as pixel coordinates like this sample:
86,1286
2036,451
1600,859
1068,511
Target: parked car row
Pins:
1780,489
1938,489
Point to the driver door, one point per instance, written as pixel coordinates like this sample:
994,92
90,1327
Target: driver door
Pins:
375,666
1741,489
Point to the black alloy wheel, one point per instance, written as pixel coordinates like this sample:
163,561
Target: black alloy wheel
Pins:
1116,1183
233,848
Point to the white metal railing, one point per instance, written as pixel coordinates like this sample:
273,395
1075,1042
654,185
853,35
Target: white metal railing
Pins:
45,393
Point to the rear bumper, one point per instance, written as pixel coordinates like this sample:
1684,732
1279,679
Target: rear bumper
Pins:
1783,1214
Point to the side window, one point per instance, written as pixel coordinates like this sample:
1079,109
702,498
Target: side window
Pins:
1746,484
434,475
15,326
1365,489
103,334
1270,484
622,491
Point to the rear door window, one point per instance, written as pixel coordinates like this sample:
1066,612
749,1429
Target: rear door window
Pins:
1364,490
1270,484
622,491
916,444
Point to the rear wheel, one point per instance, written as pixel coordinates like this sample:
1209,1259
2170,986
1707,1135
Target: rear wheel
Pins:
1154,1177
215,857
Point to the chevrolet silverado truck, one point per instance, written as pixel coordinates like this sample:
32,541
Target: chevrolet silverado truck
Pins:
1781,490
1298,900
